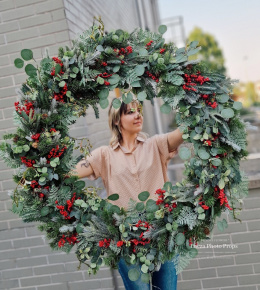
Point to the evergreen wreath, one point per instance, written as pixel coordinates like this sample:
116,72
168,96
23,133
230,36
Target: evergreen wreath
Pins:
148,232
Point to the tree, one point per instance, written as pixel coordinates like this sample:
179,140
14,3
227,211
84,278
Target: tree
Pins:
210,53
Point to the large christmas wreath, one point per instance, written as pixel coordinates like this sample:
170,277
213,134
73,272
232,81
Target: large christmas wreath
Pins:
149,231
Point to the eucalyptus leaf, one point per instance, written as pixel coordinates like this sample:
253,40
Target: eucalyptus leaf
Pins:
184,153
104,103
180,239
114,196
127,98
116,103
45,210
141,96
162,29
143,195
134,274
30,70
103,94
227,113
165,109
26,54
18,62
139,70
237,106
203,154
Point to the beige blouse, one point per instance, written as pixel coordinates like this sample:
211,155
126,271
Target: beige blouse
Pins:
130,173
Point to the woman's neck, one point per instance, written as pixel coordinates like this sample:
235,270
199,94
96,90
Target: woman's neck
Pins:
128,141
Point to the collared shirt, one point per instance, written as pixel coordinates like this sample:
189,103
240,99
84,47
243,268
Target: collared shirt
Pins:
130,173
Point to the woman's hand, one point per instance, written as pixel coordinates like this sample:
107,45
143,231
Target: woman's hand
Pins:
174,139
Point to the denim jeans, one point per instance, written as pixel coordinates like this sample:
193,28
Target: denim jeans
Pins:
164,279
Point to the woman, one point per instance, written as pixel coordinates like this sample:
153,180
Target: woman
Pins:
133,163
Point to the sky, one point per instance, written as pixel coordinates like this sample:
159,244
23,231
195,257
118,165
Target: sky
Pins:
235,25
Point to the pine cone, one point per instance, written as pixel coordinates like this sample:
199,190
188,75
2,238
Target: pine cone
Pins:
44,116
15,139
206,231
216,194
35,145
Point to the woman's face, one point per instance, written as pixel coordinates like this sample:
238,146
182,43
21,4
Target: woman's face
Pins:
132,120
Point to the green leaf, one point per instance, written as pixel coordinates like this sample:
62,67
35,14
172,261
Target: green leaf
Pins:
62,84
221,183
44,211
194,43
223,98
79,228
18,62
114,79
184,153
116,103
216,162
103,94
104,103
30,70
177,80
116,68
57,69
75,70
71,75
143,195
180,239
155,56
140,206
80,184
227,113
145,278
26,148
139,70
165,108
151,206
114,196
181,58
100,48
168,226
144,268
201,216
193,51
135,84
133,274
26,54
200,210
143,52
203,154
162,29
197,137
44,170
127,99
142,96
193,252
53,163
42,179
100,80
237,105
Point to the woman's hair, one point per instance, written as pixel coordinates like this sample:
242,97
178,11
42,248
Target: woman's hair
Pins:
114,116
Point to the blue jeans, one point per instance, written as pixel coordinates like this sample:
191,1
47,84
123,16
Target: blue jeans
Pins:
164,279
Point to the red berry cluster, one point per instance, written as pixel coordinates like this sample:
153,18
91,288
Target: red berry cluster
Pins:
203,205
27,162
104,63
34,183
161,200
60,96
222,197
104,243
123,51
149,44
190,242
162,50
104,75
154,77
71,240
26,108
207,142
70,203
56,152
119,244
36,136
53,130
191,80
58,61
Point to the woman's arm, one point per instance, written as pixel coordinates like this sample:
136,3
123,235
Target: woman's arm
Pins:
174,139
83,169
